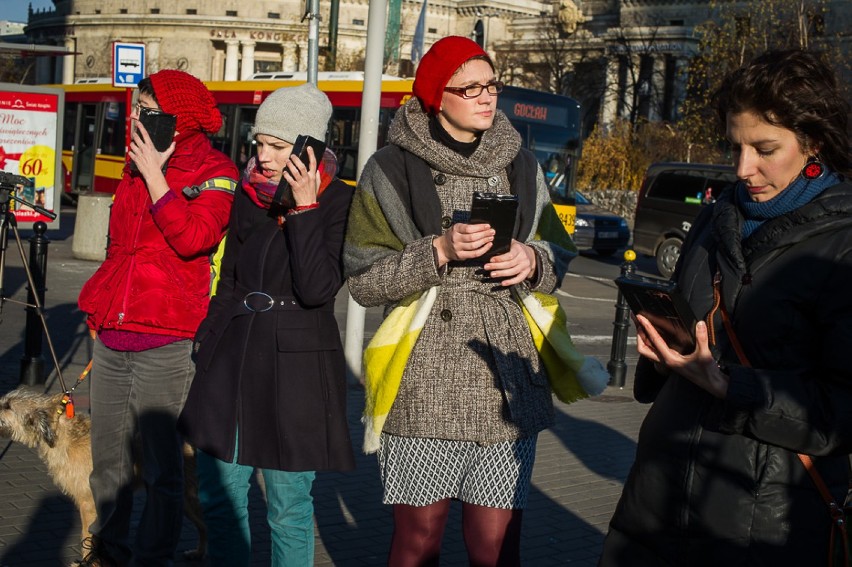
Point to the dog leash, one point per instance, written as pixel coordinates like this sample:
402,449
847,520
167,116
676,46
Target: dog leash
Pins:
67,402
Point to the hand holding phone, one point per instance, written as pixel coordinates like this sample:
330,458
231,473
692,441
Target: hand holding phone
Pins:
284,194
499,211
160,127
664,306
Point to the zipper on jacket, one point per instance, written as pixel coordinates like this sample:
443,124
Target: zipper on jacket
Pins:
130,268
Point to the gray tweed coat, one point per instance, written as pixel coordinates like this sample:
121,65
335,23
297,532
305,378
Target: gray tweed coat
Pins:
474,373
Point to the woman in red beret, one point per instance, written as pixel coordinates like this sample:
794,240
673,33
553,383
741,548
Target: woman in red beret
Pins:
457,389
144,305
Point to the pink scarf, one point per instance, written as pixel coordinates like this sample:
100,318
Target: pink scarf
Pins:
261,190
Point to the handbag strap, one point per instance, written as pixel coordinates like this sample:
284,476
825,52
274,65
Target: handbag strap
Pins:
838,520
719,305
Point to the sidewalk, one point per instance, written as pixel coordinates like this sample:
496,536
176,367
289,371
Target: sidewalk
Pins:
578,475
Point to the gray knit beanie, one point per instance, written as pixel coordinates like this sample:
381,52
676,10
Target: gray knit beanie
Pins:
290,111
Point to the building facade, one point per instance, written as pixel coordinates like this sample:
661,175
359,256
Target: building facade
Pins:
620,58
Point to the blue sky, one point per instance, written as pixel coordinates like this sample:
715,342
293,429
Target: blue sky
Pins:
16,10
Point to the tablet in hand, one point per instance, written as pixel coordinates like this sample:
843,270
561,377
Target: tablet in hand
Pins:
664,306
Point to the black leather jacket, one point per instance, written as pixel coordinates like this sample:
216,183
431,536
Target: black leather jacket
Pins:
718,482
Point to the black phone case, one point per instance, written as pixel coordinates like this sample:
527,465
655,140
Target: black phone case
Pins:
160,126
284,194
500,212
664,306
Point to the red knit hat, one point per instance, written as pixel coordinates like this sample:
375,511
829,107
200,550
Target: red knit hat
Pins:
438,66
182,94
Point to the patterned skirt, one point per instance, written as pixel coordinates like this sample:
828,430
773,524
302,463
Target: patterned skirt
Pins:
421,471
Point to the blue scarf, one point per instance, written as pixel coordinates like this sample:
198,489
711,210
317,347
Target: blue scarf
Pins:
799,192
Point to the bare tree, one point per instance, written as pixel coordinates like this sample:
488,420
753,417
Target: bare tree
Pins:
15,69
735,34
555,56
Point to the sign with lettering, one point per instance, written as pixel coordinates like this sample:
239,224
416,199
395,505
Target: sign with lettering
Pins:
128,64
30,146
525,105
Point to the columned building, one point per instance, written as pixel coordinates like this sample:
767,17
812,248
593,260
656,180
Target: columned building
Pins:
619,58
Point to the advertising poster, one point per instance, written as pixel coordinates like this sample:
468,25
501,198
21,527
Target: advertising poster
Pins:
30,126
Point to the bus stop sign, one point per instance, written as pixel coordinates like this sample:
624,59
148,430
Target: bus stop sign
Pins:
128,64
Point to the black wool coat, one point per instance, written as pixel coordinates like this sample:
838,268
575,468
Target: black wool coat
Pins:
278,375
718,482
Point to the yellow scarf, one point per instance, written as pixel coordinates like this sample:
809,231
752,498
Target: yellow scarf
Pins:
572,376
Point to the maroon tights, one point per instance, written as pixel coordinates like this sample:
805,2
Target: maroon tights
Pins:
492,536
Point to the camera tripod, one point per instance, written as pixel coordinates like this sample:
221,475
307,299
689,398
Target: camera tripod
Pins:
8,185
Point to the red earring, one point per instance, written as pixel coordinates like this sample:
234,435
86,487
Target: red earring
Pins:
813,168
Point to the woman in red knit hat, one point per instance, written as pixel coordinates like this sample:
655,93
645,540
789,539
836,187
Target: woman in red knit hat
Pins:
144,304
457,390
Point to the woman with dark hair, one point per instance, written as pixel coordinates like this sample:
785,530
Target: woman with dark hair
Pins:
743,429
458,377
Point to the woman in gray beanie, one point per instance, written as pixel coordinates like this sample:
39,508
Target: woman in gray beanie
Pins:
270,387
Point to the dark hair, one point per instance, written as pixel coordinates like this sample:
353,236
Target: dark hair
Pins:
146,86
795,90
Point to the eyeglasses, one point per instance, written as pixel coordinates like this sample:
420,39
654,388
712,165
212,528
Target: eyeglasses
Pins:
139,107
473,91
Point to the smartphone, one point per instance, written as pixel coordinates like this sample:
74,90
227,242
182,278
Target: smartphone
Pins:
161,129
665,307
284,194
499,211
160,126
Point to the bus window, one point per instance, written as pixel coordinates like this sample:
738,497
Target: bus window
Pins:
112,132
555,149
344,131
84,149
549,125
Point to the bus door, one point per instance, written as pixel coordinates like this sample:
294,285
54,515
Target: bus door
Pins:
84,147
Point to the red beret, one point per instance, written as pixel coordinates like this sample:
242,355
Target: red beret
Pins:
438,66
182,94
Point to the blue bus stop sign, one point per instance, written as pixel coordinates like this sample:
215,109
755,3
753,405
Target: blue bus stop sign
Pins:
128,64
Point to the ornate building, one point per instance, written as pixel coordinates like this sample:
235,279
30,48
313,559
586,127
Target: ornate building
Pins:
620,58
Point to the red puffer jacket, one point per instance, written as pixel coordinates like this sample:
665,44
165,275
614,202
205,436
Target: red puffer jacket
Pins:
156,276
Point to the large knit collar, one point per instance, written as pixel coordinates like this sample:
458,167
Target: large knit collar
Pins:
497,148
827,212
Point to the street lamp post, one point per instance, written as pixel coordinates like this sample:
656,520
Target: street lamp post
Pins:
485,34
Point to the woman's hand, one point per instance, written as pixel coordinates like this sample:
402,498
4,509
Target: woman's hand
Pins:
149,162
303,178
463,242
699,367
513,267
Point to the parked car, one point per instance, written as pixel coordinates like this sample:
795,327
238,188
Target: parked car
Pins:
671,196
597,229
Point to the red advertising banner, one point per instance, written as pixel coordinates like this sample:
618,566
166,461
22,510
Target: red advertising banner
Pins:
30,126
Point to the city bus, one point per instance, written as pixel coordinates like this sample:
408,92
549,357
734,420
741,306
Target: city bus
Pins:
93,141
549,125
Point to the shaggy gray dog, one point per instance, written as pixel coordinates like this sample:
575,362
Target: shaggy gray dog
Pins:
64,445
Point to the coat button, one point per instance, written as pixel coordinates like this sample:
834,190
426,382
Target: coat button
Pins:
493,181
446,314
446,222
440,179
